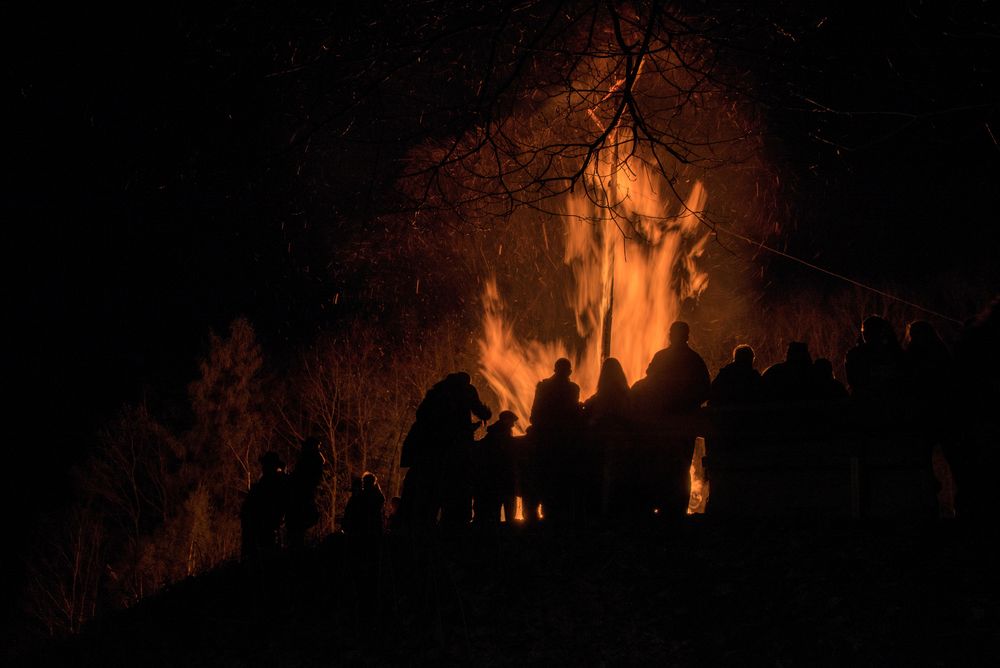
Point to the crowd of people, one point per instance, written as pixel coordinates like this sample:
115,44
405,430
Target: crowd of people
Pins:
281,498
280,507
625,452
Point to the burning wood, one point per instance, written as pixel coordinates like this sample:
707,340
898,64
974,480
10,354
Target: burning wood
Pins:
633,262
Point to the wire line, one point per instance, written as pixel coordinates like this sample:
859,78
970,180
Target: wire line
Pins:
762,245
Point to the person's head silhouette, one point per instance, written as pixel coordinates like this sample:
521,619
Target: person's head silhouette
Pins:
743,355
679,333
507,418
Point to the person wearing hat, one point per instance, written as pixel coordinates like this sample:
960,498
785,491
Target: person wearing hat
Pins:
493,473
556,416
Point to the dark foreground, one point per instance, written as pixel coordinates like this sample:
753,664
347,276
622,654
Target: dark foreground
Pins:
703,593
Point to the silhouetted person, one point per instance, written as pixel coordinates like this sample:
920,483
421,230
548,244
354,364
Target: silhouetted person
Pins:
394,518
301,513
437,451
934,396
794,379
372,519
353,519
975,457
876,378
527,478
606,454
555,421
665,404
262,512
557,400
738,383
364,525
930,367
678,375
494,473
932,376
456,504
828,388
611,401
978,358
875,367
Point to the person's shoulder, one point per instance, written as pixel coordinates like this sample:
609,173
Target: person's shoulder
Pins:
694,357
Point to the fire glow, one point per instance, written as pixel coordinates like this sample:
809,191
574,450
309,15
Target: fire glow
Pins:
633,259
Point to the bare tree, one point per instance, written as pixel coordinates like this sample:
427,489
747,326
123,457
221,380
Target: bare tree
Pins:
234,424
133,479
360,400
570,94
342,393
65,575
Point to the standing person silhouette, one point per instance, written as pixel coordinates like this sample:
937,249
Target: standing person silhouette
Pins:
305,478
494,472
738,383
437,451
794,379
262,512
555,421
875,367
679,374
605,462
666,402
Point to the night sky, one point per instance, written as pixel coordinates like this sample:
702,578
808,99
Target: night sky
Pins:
164,174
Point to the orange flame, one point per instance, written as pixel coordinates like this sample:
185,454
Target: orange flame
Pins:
630,252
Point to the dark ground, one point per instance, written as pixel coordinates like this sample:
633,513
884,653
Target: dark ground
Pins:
704,593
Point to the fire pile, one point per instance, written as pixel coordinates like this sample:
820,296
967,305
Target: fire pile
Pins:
631,252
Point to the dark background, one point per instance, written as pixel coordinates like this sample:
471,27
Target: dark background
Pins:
157,184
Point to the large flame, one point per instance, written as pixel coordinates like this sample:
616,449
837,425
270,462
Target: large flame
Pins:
632,253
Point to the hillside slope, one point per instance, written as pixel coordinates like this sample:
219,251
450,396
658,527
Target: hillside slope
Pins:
703,593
